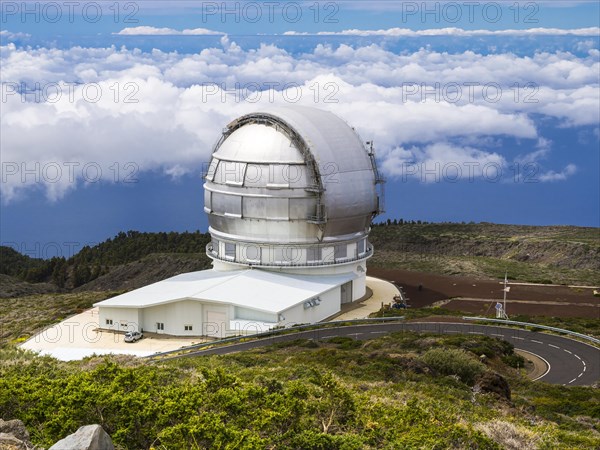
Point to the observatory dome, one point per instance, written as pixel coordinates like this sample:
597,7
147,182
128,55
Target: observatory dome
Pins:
290,187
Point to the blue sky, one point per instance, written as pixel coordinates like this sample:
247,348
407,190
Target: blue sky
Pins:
486,112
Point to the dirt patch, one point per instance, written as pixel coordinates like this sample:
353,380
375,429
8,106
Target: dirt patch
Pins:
425,289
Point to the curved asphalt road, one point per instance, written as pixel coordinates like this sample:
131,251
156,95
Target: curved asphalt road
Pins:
569,362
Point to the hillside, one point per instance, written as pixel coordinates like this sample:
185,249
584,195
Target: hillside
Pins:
553,254
557,254
399,391
148,269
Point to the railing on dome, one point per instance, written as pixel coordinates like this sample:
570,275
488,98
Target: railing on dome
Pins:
212,254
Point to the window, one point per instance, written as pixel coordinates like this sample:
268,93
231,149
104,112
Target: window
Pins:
286,255
229,250
313,254
109,321
361,246
215,246
253,253
340,251
187,327
160,326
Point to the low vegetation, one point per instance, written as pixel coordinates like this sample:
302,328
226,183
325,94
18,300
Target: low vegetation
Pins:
23,317
400,391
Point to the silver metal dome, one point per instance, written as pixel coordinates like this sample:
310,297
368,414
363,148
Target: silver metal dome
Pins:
290,186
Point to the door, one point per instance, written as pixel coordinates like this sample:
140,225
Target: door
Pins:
346,292
215,324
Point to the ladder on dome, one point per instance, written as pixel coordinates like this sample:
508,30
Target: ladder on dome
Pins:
379,180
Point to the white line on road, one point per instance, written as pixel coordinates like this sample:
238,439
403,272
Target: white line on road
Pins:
577,356
555,346
572,380
495,334
567,351
474,332
522,339
378,332
537,342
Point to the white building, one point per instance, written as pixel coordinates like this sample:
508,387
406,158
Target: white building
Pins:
290,194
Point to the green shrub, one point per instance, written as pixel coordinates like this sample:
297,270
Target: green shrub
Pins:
345,343
453,362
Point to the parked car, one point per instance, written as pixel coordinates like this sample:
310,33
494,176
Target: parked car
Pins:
133,336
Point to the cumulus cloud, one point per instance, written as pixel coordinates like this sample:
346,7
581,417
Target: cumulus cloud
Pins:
570,169
163,111
453,31
13,36
147,31
443,162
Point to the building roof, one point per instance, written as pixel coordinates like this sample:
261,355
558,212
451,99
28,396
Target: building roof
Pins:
257,289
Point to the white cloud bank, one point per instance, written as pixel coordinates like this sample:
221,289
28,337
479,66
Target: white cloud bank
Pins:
453,31
148,31
163,110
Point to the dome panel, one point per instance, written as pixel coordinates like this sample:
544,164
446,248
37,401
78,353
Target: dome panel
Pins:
258,143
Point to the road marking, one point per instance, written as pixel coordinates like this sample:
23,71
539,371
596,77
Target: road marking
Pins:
572,380
567,351
555,346
543,359
378,332
522,339
583,362
474,332
579,374
495,334
577,356
537,342
452,331
584,368
326,337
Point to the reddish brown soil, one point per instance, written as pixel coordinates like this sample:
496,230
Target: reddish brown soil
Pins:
564,301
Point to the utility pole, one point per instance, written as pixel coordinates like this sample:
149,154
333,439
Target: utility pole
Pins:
506,289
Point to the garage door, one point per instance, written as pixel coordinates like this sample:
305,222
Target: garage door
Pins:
215,324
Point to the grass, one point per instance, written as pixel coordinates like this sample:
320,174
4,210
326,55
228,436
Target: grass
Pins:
23,317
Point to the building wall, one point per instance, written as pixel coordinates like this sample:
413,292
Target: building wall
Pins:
175,316
123,319
359,286
254,314
330,305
